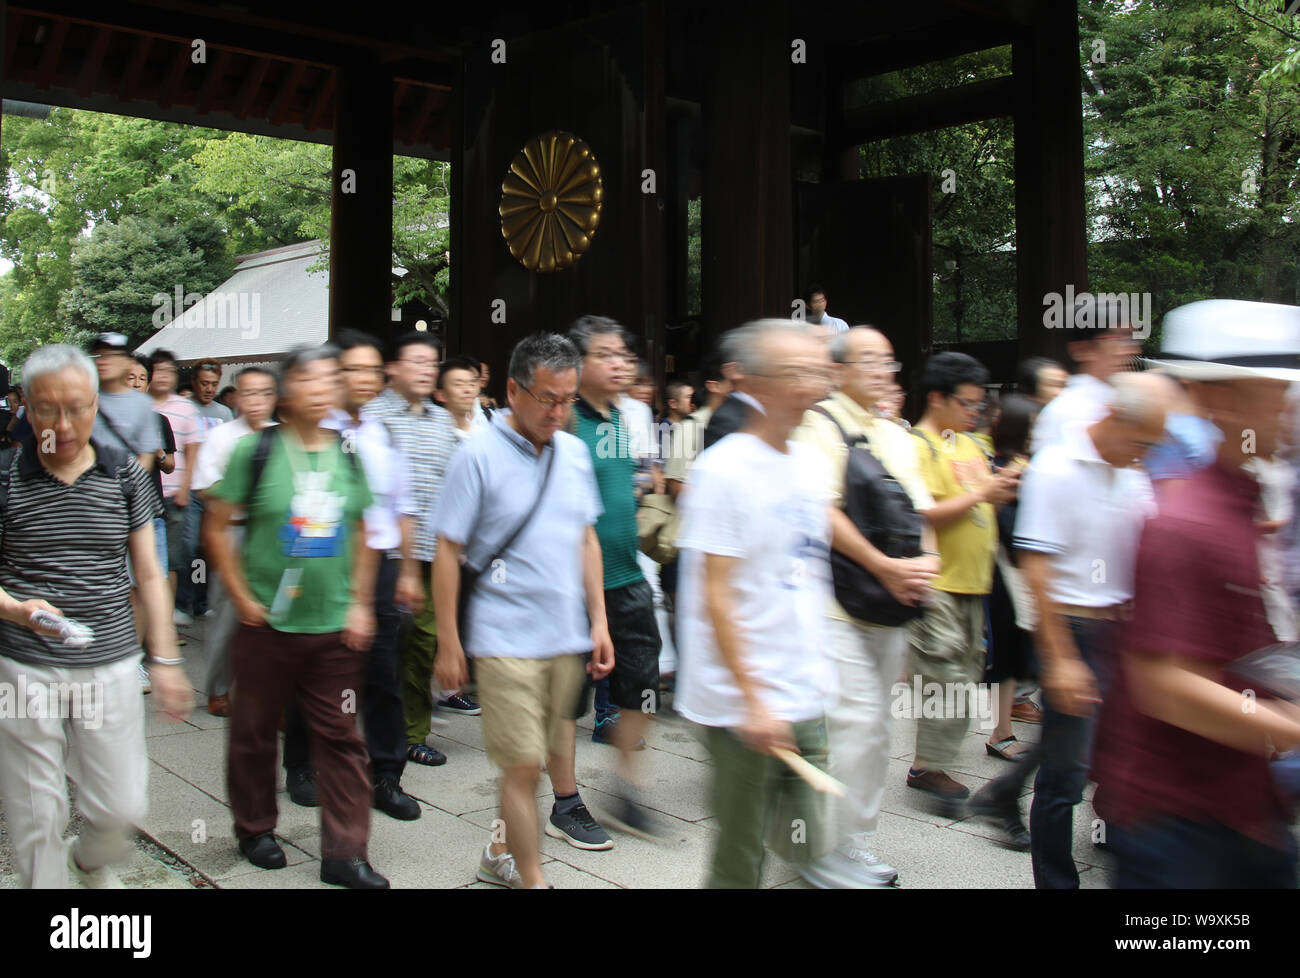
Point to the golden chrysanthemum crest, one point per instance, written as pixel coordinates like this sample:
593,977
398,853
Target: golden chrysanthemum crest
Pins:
551,201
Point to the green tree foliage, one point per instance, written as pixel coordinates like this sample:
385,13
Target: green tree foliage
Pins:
973,203
1192,151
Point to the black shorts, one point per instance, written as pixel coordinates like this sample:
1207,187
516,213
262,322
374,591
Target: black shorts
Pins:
634,683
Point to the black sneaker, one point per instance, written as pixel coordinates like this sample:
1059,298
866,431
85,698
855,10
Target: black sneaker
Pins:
302,788
392,800
1004,817
458,703
578,829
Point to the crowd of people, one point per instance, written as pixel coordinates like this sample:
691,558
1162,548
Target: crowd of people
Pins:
768,548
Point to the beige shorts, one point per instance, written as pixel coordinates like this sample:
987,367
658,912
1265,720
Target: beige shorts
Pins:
524,701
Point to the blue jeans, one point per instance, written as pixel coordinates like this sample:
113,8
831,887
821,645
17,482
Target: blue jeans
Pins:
160,543
604,708
1174,853
1064,754
187,592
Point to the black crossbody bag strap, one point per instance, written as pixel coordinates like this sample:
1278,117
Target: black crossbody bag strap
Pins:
532,510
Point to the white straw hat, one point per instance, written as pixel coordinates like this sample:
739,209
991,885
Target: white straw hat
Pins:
1231,339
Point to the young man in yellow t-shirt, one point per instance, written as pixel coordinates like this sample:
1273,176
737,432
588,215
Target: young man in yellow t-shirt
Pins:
947,642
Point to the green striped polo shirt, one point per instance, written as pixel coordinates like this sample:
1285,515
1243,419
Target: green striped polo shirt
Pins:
611,457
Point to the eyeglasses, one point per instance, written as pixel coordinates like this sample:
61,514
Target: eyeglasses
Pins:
969,405
418,363
363,370
609,356
551,402
889,366
800,376
74,413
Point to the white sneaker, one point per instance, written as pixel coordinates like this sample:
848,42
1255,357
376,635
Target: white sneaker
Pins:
499,870
99,879
850,867
146,686
182,617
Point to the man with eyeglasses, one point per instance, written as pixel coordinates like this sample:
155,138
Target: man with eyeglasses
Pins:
537,609
868,656
623,711
425,434
947,642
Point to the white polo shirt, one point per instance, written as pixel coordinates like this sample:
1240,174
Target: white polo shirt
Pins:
1085,399
217,449
385,468
1088,516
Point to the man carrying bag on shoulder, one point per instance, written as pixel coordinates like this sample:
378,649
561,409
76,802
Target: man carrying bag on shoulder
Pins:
883,557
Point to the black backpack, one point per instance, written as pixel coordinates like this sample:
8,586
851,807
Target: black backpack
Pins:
883,513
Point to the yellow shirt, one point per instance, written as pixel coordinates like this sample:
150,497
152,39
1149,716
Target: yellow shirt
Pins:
954,467
892,446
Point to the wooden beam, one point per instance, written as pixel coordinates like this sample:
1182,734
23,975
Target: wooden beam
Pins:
50,55
131,77
908,51
317,114
284,97
922,113
180,61
13,28
216,71
94,61
252,85
421,120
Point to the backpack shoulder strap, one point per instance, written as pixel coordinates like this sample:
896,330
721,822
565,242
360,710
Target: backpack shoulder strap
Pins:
265,439
934,454
835,421
8,459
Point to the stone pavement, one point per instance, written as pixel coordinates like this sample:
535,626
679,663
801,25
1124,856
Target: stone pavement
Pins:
187,838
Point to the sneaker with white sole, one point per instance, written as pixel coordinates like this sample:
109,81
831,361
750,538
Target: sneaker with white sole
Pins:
499,870
578,828
850,867
457,703
146,684
182,617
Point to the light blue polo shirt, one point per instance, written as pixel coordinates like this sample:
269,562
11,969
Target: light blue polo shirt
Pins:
533,603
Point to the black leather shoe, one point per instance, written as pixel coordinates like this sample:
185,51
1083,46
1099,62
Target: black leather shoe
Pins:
392,800
302,789
263,851
355,874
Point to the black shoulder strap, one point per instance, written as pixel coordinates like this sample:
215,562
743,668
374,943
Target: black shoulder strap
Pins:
113,428
835,421
546,479
8,458
265,439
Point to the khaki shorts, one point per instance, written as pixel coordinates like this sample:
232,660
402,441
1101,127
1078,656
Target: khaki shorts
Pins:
524,701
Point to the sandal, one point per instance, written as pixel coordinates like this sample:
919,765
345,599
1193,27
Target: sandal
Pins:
424,754
1009,749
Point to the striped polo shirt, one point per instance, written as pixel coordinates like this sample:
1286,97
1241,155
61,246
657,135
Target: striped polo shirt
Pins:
67,545
427,440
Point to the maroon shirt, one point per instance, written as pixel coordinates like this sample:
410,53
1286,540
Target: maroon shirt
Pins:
1197,597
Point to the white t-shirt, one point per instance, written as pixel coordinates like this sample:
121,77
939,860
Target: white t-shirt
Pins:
218,446
640,427
1085,399
770,510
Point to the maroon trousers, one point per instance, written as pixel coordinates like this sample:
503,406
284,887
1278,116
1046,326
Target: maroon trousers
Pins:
270,668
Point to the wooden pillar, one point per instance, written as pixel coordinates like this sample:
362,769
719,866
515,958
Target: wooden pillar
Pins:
1051,232
361,214
747,213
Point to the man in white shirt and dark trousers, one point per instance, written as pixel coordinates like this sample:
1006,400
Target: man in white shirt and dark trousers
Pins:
754,551
255,393
1083,504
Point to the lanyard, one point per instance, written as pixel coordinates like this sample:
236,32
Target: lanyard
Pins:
293,447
